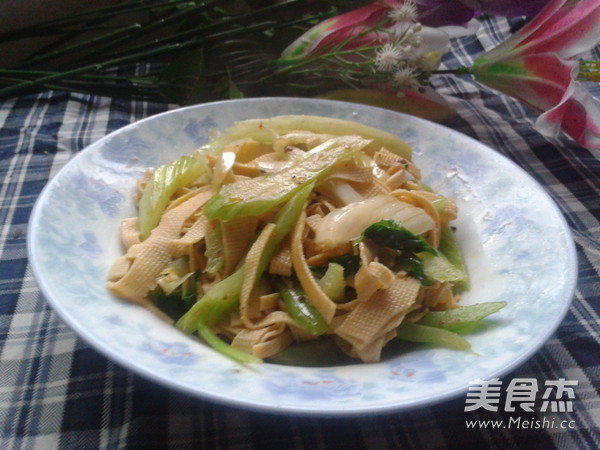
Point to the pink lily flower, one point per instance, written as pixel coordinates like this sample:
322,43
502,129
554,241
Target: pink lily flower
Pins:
538,65
338,29
354,26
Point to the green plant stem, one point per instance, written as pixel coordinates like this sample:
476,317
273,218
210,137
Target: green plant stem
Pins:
167,13
293,67
156,26
99,87
463,70
205,30
80,20
91,68
120,36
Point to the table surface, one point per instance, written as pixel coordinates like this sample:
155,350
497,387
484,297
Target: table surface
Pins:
57,392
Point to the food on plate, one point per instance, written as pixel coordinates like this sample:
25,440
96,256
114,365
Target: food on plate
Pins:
296,229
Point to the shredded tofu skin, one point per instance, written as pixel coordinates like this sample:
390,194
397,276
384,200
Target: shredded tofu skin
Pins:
224,224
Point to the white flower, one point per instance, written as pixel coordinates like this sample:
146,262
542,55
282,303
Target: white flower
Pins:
405,30
408,12
388,56
422,61
406,78
415,40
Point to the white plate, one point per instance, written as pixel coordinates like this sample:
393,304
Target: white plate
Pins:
517,246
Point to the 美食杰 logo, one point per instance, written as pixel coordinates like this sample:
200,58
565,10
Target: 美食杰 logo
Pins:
521,395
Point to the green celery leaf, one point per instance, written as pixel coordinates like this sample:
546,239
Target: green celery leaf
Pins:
390,233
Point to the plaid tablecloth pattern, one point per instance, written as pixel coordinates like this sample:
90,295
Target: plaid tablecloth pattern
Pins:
57,392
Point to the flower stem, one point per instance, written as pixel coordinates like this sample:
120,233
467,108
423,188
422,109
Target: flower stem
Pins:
81,21
218,30
87,69
463,70
118,35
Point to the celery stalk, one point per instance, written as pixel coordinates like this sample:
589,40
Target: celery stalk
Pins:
214,253
225,295
264,129
214,304
165,180
463,319
439,268
252,197
215,342
285,219
333,282
430,335
450,249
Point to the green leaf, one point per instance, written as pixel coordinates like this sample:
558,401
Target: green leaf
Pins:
390,233
409,247
175,304
234,91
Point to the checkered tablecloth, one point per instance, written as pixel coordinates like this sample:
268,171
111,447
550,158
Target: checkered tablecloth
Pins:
57,392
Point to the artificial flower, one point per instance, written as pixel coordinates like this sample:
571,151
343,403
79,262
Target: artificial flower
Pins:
538,65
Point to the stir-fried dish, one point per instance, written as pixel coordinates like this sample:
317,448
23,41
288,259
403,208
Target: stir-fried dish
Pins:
293,229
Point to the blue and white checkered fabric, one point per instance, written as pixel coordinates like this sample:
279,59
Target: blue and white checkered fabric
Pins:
56,392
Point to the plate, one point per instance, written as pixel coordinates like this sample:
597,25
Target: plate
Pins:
517,246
